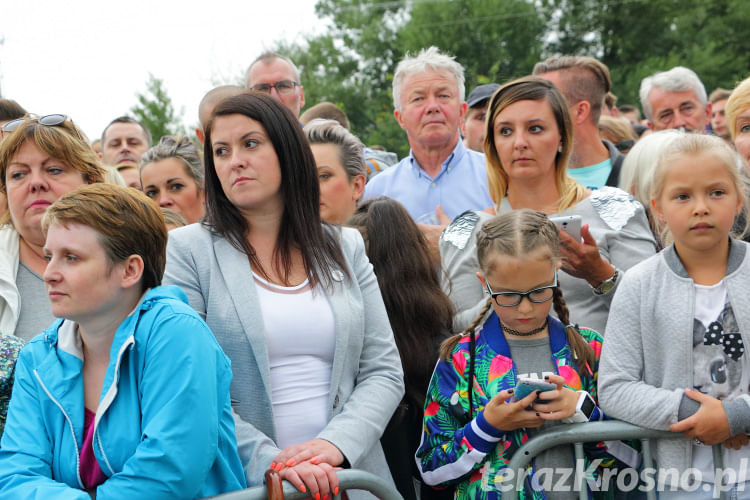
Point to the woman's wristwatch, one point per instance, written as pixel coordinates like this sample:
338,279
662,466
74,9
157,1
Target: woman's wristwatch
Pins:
607,285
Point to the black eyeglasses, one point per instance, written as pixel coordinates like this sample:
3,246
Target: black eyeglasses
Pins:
510,299
625,145
284,87
47,120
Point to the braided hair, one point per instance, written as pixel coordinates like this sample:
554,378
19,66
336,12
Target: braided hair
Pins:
517,233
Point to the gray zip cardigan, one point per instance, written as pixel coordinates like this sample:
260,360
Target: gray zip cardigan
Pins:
647,355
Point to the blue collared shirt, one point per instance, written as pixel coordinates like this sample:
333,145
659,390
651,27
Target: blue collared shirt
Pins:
460,185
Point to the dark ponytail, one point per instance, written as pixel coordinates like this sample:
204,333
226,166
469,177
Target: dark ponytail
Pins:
446,348
450,343
582,351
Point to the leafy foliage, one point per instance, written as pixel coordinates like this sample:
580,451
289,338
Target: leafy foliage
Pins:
352,63
156,111
636,38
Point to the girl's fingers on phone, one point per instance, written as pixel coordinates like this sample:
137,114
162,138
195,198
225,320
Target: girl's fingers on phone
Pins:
528,400
548,396
555,379
504,394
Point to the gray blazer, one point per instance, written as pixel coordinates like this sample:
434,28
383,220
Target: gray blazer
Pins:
366,381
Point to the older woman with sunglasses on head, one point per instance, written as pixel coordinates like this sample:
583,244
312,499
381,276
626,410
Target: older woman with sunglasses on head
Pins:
41,159
527,145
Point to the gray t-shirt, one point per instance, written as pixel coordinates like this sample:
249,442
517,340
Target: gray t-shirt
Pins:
533,359
36,313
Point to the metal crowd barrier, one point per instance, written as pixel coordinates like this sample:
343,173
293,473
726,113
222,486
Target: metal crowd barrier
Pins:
577,434
350,479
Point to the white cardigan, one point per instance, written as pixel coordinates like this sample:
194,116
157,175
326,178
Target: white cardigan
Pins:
10,297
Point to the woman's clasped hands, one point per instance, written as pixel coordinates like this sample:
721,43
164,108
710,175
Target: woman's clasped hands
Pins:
311,467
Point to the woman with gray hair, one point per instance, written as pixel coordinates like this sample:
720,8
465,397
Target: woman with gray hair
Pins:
172,176
339,156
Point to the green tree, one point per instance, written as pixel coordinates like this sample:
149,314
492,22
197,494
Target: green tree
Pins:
494,41
156,111
352,64
636,38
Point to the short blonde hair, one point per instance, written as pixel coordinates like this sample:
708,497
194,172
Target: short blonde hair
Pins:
692,145
738,102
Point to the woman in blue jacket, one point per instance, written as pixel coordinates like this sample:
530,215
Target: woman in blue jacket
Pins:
127,394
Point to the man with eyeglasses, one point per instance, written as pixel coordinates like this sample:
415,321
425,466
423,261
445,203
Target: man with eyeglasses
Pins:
277,76
585,83
675,99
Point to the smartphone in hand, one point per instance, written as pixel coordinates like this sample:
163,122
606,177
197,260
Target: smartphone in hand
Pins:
571,224
526,386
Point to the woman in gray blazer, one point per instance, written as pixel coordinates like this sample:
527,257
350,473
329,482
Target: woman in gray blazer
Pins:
293,302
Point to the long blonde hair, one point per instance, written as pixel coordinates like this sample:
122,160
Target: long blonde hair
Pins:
691,145
532,88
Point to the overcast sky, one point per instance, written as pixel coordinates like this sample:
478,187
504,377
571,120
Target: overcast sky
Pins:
87,59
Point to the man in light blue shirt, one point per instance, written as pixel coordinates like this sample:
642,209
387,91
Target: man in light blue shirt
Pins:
440,173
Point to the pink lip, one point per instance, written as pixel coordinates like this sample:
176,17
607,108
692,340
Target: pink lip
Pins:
524,320
702,226
241,180
40,203
54,295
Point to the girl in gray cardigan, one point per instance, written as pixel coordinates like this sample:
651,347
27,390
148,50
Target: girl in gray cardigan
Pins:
674,355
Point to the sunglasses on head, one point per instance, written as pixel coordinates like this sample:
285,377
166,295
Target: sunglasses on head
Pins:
46,120
625,144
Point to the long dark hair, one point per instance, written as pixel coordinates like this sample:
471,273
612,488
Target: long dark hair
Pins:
301,226
419,312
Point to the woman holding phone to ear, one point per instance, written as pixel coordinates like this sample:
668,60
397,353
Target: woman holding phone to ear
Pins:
527,144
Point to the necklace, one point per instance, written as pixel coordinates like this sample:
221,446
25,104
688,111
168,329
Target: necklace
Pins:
511,331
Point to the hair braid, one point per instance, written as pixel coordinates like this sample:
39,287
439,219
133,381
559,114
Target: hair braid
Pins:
582,351
448,344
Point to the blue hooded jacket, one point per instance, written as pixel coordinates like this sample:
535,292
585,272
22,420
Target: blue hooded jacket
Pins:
163,428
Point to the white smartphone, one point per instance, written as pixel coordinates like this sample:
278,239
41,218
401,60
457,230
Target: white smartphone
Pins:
571,224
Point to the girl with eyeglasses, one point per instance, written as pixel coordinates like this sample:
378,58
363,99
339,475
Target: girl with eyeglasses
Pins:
41,159
471,425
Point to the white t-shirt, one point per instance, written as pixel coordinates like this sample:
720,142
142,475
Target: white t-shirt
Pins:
720,369
300,338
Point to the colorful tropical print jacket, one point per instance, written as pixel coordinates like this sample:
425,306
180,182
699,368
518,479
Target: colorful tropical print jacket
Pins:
470,453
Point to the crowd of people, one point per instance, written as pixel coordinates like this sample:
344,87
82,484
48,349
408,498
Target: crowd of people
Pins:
176,321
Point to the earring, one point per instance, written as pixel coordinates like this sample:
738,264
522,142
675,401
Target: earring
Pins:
559,148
